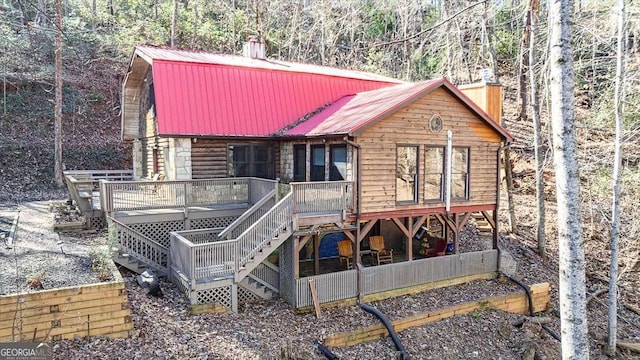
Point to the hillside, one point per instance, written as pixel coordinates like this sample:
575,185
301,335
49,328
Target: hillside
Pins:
91,130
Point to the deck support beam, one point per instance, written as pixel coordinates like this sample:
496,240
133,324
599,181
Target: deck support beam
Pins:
455,225
298,244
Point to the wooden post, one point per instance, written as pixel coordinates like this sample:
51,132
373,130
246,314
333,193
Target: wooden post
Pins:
296,260
314,297
316,254
456,231
410,239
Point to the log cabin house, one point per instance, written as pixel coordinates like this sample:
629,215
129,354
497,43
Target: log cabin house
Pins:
364,155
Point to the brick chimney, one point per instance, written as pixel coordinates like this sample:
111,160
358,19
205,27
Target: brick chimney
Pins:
486,94
254,48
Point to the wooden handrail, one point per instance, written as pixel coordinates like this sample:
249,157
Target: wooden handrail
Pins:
246,215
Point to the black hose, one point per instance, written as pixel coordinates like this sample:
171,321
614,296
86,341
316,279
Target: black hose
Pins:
529,297
370,309
325,351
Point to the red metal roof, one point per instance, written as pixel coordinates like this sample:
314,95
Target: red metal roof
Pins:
351,115
217,95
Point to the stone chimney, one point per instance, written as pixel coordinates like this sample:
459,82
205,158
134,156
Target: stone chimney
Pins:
486,94
254,48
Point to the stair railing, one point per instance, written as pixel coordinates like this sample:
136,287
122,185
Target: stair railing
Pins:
250,216
139,246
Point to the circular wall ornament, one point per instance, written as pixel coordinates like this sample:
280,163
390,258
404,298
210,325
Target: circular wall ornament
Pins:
435,124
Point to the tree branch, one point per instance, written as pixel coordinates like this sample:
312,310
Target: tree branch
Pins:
431,28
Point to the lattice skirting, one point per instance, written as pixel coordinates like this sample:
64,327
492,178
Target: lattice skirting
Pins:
182,285
245,295
224,295
95,223
206,223
158,231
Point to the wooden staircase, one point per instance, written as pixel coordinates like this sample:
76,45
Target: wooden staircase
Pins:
261,237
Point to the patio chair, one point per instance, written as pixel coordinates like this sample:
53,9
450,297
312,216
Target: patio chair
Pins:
439,249
379,252
345,250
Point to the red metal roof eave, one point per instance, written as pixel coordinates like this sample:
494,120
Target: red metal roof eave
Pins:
241,67
358,130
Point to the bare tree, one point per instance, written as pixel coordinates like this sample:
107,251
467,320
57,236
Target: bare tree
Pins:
533,7
523,69
617,163
174,23
571,252
58,106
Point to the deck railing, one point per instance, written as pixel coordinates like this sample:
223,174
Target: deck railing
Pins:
82,183
202,261
202,236
224,257
142,195
242,223
323,196
252,240
139,246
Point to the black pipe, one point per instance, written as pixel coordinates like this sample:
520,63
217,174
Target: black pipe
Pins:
528,291
370,309
325,351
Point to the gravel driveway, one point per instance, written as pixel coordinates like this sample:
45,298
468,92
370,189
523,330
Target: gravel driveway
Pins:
38,252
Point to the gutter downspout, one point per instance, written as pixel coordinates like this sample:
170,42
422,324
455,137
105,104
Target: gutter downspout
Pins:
357,210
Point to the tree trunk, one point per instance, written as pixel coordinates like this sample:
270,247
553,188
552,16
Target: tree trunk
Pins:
508,173
533,8
524,63
573,314
615,211
41,13
490,43
58,106
174,23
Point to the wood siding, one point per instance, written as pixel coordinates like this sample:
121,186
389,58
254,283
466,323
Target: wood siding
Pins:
130,98
410,126
209,157
487,96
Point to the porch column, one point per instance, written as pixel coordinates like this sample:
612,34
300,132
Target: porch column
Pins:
409,246
296,259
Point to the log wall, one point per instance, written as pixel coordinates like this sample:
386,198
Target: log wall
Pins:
209,157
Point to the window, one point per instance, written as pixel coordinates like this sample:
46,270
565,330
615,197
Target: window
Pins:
406,173
460,173
317,162
433,173
262,162
299,163
251,160
338,161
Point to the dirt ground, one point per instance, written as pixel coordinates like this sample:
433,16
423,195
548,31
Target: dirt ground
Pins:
163,329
